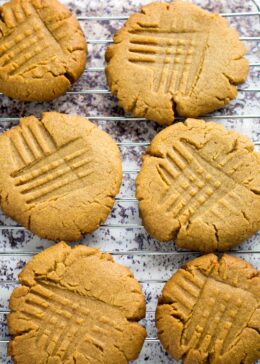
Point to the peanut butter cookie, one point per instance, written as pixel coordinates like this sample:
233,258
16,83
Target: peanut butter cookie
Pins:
175,58
42,49
59,175
76,305
209,312
200,184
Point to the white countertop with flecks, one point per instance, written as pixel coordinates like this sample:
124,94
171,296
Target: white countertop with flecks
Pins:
123,233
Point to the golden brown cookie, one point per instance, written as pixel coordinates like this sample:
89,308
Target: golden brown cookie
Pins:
175,58
200,184
209,312
76,305
59,175
42,49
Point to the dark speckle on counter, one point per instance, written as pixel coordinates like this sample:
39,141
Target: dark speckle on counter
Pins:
157,268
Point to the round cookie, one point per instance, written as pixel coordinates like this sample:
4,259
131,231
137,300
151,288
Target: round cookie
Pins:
175,58
59,175
42,49
76,305
200,184
209,312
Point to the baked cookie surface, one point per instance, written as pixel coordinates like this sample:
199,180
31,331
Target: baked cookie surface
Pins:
59,175
42,49
76,305
200,184
209,312
175,58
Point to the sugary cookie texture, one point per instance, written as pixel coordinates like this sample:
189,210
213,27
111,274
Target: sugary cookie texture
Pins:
200,184
76,305
209,312
59,175
42,49
175,58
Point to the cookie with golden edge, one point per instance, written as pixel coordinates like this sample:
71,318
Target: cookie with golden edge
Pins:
42,49
209,312
59,175
76,305
200,185
175,58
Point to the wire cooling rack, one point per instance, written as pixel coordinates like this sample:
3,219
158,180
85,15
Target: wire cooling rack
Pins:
123,235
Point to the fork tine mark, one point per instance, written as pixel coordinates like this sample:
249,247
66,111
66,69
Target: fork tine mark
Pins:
19,13
27,8
142,58
219,326
169,201
182,151
46,294
215,317
18,49
163,175
85,174
8,16
185,66
76,154
50,138
44,140
37,300
10,47
227,205
64,324
165,74
21,147
194,182
27,134
73,339
32,311
58,166
81,163
158,76
34,52
185,293
43,340
17,158
170,171
64,340
34,38
30,187
37,195
196,326
100,330
172,69
57,28
23,178
188,285
176,160
195,67
143,49
181,65
234,196
43,192
233,325
61,329
186,301
146,41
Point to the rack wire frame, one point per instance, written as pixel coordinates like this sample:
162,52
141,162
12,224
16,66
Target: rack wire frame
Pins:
3,120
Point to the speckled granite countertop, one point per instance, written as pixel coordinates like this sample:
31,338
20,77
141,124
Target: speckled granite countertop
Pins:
152,270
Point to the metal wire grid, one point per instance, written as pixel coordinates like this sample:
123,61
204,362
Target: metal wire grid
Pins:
134,144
